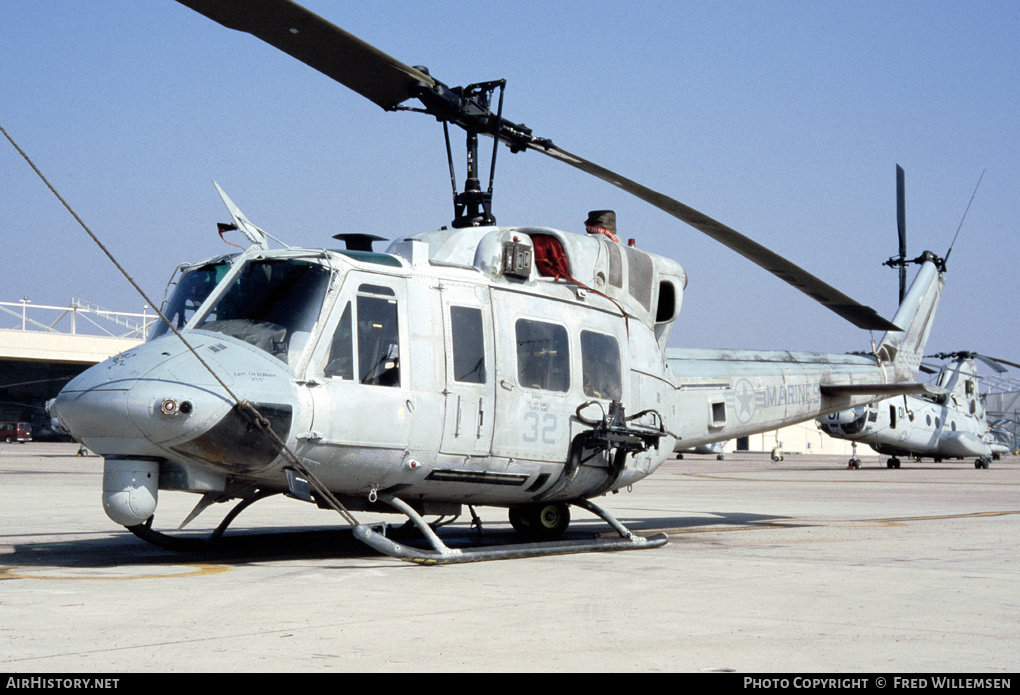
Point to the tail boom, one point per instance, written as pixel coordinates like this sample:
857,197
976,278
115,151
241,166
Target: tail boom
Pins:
723,394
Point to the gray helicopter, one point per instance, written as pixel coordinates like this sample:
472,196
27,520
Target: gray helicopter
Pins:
952,425
521,367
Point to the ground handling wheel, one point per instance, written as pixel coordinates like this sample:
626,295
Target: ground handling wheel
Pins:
540,521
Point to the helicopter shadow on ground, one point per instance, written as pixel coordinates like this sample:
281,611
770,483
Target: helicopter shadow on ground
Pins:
238,547
123,549
702,521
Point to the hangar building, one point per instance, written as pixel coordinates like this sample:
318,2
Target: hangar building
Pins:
44,347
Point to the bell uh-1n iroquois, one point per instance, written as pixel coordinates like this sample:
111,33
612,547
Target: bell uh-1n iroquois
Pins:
519,367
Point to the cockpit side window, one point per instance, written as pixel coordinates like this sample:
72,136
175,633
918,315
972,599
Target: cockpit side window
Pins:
600,366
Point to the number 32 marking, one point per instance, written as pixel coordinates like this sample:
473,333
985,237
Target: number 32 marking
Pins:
540,427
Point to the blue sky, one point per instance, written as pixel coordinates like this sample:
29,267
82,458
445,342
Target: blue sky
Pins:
784,120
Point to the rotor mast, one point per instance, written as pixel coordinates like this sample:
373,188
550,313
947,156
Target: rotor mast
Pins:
473,206
469,108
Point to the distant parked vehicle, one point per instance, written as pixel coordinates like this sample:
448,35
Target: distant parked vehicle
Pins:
15,432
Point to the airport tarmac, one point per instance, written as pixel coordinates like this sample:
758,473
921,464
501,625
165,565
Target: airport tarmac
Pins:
801,566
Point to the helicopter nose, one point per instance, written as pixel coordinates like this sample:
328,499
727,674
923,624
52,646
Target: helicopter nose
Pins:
156,403
183,408
97,406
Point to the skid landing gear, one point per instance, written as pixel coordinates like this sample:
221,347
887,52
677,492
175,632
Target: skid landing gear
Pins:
180,543
545,515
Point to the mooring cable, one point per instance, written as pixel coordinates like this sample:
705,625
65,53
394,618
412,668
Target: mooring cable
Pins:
243,404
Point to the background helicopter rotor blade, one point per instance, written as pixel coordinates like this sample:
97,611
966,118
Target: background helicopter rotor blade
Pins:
993,362
901,227
386,81
997,360
304,35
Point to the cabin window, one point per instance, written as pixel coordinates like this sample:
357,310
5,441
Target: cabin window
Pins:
378,354
892,417
468,344
927,419
858,423
600,366
270,304
341,353
377,289
543,361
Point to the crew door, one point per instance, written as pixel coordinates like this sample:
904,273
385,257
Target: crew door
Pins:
469,389
365,400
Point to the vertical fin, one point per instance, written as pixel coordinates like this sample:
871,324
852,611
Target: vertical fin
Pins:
904,349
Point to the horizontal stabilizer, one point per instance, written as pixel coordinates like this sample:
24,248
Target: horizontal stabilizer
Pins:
893,389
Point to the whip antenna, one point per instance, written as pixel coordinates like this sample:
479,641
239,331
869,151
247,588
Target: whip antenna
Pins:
953,243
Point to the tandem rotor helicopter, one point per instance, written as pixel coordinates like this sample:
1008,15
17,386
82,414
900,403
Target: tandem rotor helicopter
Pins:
953,425
950,424
476,365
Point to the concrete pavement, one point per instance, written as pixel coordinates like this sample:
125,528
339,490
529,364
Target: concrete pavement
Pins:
798,566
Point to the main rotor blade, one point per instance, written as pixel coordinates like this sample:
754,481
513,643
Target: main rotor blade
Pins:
854,312
387,82
301,33
993,362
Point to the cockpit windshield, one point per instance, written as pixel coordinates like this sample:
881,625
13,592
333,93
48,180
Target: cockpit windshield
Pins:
271,304
194,287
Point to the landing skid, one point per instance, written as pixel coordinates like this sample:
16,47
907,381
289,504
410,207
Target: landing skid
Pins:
439,554
442,554
185,544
